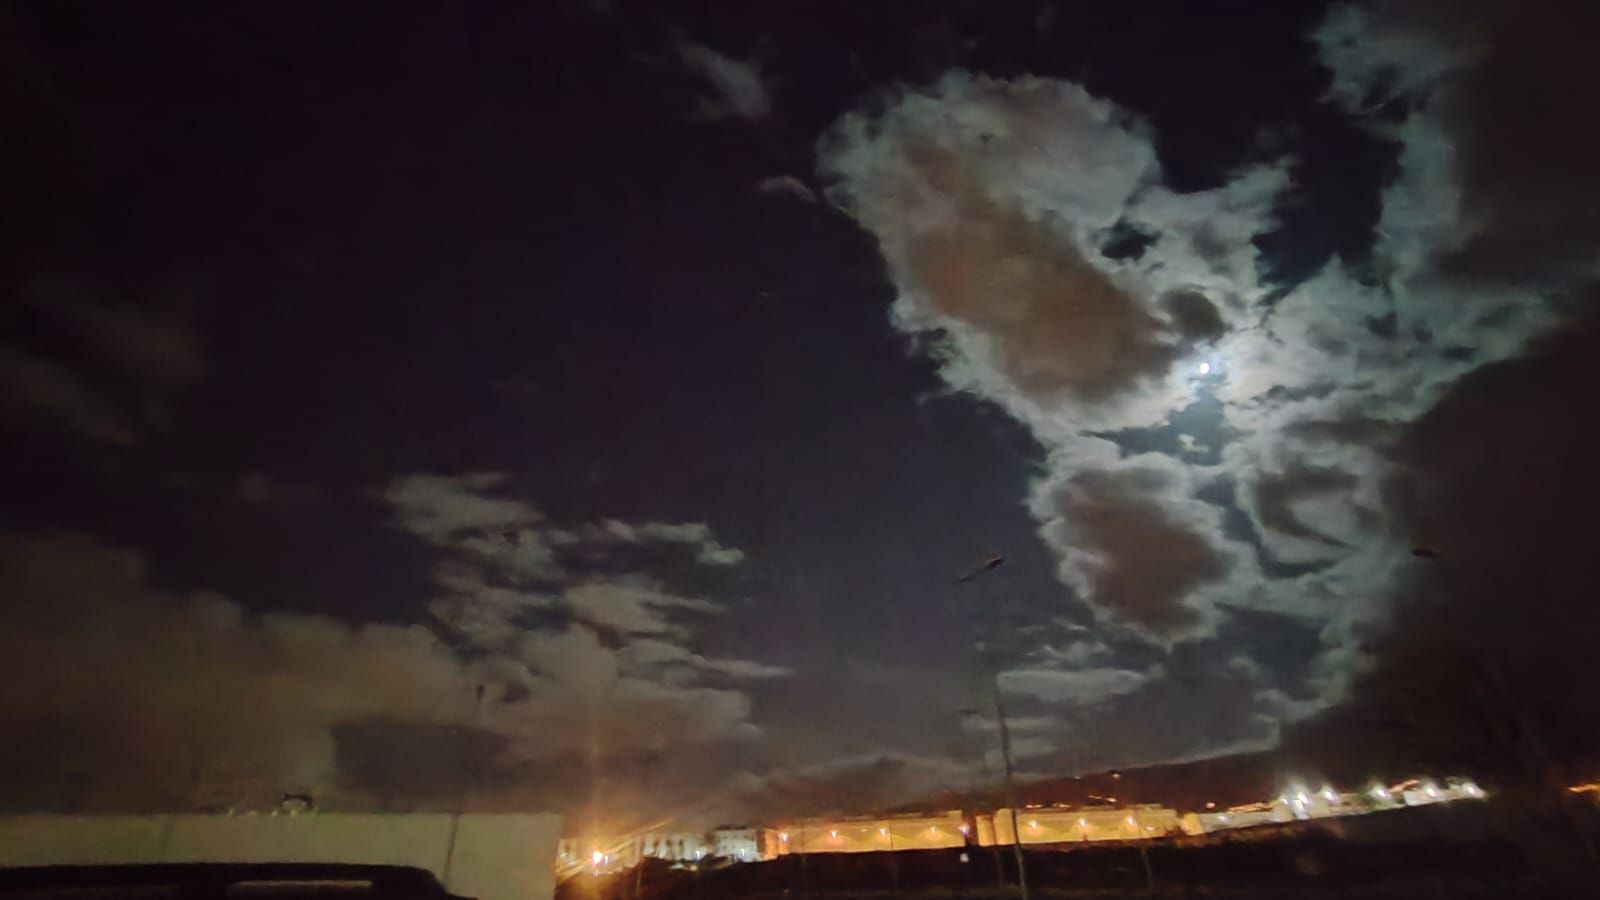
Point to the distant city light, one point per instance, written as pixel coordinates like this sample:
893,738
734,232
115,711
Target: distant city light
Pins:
1301,802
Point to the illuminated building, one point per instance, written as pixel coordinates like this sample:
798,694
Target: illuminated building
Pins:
1056,825
1244,816
869,835
741,843
602,855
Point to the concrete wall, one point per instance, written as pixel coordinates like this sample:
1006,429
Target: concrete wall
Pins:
496,857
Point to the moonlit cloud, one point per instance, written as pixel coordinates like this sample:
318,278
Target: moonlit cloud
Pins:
739,89
1001,209
1079,687
439,508
993,202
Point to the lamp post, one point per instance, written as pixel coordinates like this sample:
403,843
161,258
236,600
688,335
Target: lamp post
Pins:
989,565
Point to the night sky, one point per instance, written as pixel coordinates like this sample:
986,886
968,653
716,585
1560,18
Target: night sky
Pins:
593,405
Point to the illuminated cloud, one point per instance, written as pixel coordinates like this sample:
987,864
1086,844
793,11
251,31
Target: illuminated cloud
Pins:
994,203
148,699
1005,210
540,671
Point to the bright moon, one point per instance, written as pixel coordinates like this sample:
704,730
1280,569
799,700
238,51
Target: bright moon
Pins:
1205,368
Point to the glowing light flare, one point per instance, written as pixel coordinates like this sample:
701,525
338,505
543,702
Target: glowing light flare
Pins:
597,857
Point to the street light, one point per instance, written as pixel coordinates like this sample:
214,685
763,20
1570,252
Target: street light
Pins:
988,565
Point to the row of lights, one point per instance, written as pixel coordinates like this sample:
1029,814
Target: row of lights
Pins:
833,833
1301,798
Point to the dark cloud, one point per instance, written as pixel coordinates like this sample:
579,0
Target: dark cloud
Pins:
1498,79
1495,624
102,371
37,388
1194,316
846,786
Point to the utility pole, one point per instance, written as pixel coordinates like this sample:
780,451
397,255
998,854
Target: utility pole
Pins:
466,787
983,765
993,672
